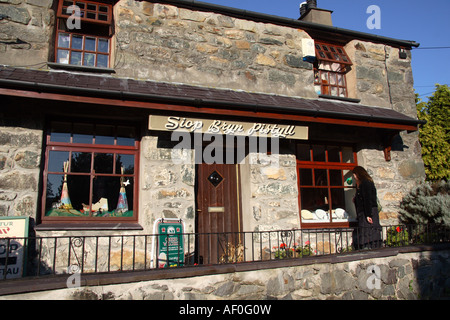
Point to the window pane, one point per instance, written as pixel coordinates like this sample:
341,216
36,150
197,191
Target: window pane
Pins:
343,206
103,162
334,91
54,187
105,196
102,61
63,40
334,154
303,152
80,5
89,44
77,42
347,155
319,153
103,9
103,17
91,15
126,136
79,187
314,199
61,132
335,178
306,177
62,56
103,45
92,7
320,177
127,162
83,133
75,58
56,160
81,162
89,59
104,134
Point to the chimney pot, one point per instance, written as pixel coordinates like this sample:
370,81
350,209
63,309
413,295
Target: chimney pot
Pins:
311,3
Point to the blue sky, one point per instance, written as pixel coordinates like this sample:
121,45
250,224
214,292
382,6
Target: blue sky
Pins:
426,22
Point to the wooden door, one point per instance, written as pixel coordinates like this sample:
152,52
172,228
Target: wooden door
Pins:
218,212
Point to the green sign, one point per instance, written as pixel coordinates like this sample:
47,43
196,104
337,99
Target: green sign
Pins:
170,244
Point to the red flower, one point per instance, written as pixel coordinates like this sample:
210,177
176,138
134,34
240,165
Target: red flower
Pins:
282,246
398,229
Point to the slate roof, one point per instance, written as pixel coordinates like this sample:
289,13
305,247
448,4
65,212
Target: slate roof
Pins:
113,87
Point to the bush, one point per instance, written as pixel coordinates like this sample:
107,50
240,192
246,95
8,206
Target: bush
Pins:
427,203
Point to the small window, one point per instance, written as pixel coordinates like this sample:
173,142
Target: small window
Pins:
86,44
330,69
326,192
90,174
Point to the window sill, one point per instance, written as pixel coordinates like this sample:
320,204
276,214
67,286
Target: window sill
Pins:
87,226
325,96
71,67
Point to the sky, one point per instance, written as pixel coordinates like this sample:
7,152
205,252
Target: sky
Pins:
426,22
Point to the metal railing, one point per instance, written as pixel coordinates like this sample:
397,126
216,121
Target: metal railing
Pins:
41,256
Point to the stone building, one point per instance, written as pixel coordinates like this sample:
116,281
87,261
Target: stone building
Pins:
116,113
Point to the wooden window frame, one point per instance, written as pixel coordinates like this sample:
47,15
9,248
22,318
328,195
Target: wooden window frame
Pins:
332,55
325,165
94,149
100,30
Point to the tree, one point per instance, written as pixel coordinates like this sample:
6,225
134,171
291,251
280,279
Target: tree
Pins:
435,134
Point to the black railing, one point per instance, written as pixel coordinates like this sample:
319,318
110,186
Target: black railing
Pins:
40,256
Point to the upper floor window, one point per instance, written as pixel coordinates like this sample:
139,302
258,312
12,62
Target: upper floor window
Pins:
330,69
84,30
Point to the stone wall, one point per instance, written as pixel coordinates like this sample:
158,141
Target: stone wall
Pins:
26,32
381,79
272,202
166,43
403,276
20,162
166,188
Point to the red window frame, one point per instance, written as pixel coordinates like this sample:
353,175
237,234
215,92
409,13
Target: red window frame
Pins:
331,82
324,164
89,49
94,149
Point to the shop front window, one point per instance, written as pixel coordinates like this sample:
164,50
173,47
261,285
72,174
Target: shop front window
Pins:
325,184
90,172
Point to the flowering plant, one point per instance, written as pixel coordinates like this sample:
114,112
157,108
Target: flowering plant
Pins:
397,236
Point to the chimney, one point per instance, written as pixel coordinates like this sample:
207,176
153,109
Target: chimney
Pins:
310,13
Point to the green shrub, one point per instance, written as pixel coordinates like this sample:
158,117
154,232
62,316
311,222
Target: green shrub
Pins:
428,203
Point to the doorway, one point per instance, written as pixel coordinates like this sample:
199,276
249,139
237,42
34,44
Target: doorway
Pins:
218,218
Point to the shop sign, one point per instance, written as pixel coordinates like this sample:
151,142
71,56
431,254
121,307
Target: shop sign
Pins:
226,127
170,244
13,231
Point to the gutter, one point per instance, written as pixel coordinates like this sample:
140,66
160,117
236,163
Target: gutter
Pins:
121,95
262,17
